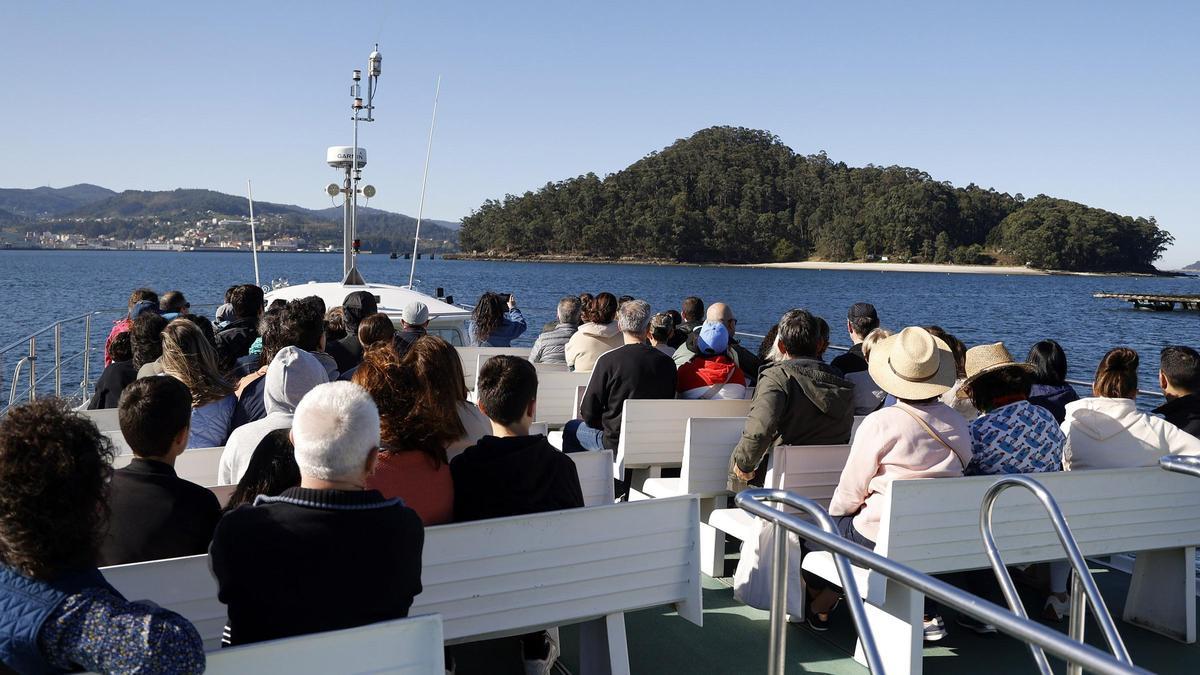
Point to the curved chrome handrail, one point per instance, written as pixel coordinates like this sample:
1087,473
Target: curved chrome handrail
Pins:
1082,579
753,501
1023,629
1181,464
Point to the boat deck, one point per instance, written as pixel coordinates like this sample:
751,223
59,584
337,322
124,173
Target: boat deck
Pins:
734,640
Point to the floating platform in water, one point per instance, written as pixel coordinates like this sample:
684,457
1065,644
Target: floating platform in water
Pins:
1157,303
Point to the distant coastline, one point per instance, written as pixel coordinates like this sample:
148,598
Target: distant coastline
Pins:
907,267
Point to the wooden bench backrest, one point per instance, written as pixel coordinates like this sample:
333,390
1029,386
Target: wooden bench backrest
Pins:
556,396
708,443
933,524
198,465
470,359
595,476
410,646
506,576
652,431
810,471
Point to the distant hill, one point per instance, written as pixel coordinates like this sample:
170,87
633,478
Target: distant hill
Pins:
737,195
1194,267
92,210
48,201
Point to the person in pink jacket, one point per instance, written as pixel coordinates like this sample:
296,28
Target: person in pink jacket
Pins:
919,437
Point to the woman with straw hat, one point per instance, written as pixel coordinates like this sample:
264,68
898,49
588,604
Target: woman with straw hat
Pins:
919,437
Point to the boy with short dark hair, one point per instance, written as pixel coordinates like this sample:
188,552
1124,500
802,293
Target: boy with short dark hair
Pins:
1179,378
511,473
154,513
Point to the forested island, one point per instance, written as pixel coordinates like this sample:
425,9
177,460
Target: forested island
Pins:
737,195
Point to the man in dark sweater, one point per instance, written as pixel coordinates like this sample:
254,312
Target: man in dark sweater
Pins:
635,370
234,340
154,513
693,317
348,351
511,473
329,554
1179,378
860,321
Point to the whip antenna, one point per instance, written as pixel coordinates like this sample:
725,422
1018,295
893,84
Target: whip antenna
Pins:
424,178
253,238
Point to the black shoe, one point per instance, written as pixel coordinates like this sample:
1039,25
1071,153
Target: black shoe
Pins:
973,624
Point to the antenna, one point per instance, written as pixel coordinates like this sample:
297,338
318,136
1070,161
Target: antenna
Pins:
412,271
352,159
253,238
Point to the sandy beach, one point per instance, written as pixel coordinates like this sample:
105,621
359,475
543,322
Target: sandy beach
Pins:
904,267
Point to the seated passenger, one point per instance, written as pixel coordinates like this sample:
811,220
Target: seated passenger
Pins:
376,328
1011,435
435,364
662,330
173,305
189,358
496,321
116,376
292,374
414,324
1179,379
711,374
348,350
272,470
860,321
1050,389
123,324
635,370
919,437
868,396
951,398
145,338
597,335
744,358
799,401
313,559
692,316
511,473
1107,431
299,324
551,345
234,340
58,613
155,514
416,424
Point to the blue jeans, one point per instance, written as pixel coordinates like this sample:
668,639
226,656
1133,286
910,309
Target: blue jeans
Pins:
579,437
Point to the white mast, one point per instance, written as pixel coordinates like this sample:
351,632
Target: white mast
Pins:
253,238
412,271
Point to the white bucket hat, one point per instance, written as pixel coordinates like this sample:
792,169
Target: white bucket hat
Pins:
913,365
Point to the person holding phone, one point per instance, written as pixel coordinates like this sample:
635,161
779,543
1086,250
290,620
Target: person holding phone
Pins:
496,321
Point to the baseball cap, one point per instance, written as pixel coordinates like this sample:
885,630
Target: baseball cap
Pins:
143,306
713,338
415,313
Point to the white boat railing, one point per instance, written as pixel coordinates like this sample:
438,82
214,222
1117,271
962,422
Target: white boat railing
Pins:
27,365
1021,628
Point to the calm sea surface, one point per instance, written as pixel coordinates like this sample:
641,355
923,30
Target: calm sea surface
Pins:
38,287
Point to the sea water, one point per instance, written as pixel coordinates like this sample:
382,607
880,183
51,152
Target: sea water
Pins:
39,287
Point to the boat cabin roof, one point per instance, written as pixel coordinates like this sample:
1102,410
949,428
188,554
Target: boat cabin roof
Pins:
391,299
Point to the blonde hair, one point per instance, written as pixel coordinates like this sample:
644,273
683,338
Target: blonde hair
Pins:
875,336
188,357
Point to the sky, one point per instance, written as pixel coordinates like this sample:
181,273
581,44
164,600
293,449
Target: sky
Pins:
1097,102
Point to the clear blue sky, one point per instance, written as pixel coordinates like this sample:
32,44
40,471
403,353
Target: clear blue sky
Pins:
1093,101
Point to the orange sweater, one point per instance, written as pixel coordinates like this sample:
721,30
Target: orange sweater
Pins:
411,476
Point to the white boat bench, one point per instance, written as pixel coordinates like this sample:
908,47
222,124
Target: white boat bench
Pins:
932,525
198,465
653,431
556,396
509,576
470,359
411,646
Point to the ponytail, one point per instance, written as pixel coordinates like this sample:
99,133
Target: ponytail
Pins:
1117,375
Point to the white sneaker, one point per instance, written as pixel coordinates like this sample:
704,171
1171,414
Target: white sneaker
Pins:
935,629
546,665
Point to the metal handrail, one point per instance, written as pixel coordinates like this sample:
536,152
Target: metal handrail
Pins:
30,343
754,502
1181,464
1023,629
1081,581
12,395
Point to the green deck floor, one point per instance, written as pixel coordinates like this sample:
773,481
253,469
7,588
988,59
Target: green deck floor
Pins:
734,640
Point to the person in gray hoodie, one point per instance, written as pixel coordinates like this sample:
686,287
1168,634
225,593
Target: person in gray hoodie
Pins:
292,374
550,346
799,401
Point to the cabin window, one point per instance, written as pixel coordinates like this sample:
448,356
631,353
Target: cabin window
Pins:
451,335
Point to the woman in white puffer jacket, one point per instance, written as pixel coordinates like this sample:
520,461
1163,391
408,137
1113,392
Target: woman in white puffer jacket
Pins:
1107,431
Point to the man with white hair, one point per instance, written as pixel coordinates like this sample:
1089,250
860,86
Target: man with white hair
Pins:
328,554
634,370
551,345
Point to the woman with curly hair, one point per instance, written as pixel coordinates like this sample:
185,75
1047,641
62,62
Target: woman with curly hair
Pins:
188,357
59,613
496,321
421,414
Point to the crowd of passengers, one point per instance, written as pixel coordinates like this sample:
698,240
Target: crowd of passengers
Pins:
346,435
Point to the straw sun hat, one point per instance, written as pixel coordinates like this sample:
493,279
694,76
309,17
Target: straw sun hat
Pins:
913,365
985,359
